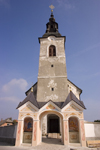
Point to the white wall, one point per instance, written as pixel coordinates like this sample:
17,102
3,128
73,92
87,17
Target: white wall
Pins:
92,129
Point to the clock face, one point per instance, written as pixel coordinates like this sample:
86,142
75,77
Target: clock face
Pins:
51,38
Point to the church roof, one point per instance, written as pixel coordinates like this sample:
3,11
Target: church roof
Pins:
30,89
71,97
30,98
41,104
8,120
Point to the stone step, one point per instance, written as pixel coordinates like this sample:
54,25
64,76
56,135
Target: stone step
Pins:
26,144
75,144
54,135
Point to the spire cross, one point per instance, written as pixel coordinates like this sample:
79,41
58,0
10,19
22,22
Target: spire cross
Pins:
52,7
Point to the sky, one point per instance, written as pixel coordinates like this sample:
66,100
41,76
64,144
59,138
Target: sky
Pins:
22,22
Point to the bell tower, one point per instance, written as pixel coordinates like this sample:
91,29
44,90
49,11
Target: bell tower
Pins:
52,74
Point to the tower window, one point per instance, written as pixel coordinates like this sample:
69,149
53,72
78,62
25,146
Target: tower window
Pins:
52,89
52,50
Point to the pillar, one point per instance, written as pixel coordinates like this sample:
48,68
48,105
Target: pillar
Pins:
82,130
65,132
18,135
35,139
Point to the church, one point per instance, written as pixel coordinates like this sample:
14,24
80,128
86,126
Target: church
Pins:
52,107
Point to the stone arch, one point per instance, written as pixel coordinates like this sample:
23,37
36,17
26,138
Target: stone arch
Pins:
48,112
27,116
73,115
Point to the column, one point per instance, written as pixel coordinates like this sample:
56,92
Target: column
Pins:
18,135
35,139
65,132
82,130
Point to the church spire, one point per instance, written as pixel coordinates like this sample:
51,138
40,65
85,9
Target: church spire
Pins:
52,26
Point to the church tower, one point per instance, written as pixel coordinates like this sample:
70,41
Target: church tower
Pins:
52,75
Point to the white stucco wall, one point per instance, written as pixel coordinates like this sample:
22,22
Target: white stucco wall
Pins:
92,129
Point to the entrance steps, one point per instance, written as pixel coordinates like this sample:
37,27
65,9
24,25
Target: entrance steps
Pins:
75,144
26,144
54,135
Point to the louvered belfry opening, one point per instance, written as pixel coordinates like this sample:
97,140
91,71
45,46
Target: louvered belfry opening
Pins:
52,50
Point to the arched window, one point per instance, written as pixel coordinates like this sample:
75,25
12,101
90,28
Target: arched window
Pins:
27,130
52,50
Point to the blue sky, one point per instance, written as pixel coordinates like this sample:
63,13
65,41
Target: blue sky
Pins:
22,22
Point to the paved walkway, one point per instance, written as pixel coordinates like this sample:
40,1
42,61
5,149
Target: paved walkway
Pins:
47,144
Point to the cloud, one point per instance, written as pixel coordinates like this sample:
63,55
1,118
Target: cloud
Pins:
14,83
5,3
14,90
65,4
12,99
96,74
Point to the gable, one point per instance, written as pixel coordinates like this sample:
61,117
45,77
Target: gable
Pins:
71,83
28,107
72,109
77,91
72,106
50,106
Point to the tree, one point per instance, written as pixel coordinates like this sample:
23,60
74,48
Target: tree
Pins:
96,120
15,122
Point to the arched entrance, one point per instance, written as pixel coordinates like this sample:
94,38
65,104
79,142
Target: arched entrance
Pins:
27,130
53,124
73,130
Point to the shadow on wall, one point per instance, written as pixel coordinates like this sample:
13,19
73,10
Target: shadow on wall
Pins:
8,135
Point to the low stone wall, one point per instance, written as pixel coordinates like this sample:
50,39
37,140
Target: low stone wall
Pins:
92,130
8,134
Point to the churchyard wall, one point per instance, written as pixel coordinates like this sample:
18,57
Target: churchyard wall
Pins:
8,134
92,130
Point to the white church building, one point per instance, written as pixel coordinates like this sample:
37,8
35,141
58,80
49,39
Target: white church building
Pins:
52,107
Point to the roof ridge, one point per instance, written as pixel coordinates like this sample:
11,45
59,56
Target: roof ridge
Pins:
30,97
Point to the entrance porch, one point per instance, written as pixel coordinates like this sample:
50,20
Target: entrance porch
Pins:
50,123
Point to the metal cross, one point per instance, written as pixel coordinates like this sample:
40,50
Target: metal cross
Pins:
52,7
